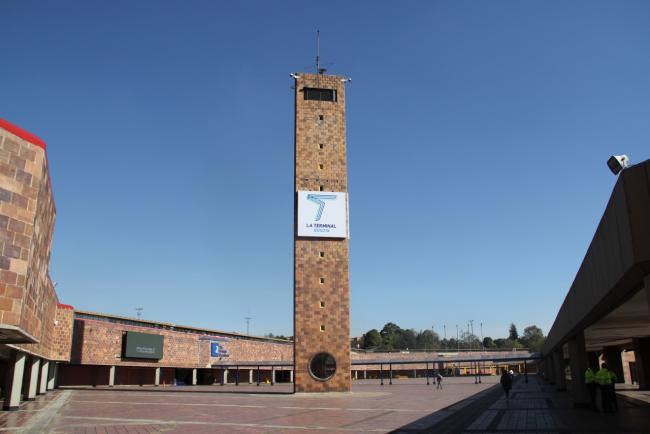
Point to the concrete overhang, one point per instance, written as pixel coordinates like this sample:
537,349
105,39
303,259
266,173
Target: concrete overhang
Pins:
617,329
11,334
603,300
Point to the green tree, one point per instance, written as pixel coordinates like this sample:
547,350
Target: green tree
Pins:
488,342
372,339
513,335
390,336
406,339
499,343
509,344
427,339
533,338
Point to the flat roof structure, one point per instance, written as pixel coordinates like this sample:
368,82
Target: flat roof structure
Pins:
606,310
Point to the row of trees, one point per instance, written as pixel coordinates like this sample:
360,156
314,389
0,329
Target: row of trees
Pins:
392,337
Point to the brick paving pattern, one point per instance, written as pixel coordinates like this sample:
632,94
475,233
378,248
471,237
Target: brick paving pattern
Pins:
408,406
202,409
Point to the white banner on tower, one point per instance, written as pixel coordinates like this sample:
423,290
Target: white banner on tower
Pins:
322,214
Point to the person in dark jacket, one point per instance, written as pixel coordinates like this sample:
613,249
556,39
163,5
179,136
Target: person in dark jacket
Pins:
506,382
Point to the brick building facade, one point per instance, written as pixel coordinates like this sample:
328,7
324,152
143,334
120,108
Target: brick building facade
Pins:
34,328
98,354
321,281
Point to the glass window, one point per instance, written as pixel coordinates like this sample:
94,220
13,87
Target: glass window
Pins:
316,94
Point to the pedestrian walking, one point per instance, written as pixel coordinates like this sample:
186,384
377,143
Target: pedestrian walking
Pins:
506,382
439,381
592,387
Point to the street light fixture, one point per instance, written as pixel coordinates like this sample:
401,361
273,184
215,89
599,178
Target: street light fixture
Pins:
616,163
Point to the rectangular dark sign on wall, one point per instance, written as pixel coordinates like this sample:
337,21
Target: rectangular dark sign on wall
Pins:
142,346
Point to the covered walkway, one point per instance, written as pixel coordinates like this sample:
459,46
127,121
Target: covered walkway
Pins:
535,407
606,313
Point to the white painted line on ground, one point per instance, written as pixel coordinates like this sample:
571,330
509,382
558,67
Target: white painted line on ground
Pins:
176,404
38,423
212,423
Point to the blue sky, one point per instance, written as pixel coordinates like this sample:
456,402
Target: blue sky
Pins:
477,139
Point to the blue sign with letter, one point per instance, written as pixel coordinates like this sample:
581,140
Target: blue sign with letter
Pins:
217,350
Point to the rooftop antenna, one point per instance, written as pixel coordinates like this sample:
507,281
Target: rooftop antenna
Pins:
318,68
139,311
248,323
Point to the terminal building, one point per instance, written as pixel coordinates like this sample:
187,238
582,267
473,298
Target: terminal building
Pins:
45,343
35,329
606,313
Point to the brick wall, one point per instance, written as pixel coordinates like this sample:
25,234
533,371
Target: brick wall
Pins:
27,213
310,132
61,341
97,342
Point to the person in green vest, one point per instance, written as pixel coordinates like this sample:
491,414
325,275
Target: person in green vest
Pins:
604,380
592,387
612,390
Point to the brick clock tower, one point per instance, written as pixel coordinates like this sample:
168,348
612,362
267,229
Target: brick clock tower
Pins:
321,283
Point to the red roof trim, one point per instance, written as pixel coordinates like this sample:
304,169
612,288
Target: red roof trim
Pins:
64,306
23,134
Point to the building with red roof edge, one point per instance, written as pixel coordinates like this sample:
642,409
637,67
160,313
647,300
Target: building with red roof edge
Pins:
35,329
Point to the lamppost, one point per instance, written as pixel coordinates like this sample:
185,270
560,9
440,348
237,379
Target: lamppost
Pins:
471,336
445,328
248,323
457,341
482,345
433,338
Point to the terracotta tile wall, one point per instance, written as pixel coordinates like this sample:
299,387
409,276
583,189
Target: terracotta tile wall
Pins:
310,132
97,342
27,214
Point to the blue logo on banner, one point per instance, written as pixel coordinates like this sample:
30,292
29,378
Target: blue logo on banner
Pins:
319,200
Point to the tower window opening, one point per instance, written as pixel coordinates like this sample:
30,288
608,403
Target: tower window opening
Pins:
321,188
318,94
321,146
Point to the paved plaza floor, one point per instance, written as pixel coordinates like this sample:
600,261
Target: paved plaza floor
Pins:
407,406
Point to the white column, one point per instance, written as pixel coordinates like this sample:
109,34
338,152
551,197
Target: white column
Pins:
250,376
272,375
50,376
291,376
111,376
194,371
225,376
365,374
34,367
44,369
157,379
14,380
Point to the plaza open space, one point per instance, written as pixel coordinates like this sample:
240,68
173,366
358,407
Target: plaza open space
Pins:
236,217
407,406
